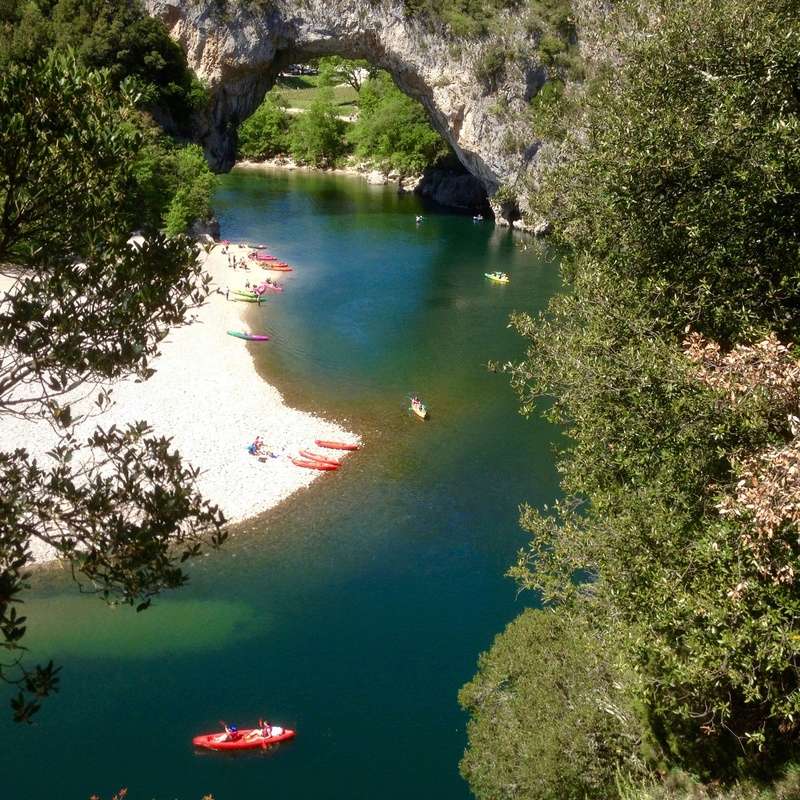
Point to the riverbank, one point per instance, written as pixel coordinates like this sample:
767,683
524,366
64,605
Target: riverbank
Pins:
367,172
208,398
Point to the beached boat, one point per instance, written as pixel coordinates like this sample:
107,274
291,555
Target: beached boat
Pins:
274,264
244,293
241,298
308,464
247,739
251,337
335,445
312,456
497,277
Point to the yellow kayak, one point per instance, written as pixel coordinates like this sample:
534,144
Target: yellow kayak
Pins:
497,277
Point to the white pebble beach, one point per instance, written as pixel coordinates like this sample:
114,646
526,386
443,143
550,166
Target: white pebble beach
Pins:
207,396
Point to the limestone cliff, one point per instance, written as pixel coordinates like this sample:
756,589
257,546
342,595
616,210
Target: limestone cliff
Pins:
476,101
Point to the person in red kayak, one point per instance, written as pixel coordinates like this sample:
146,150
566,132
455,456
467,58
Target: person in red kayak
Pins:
232,732
265,728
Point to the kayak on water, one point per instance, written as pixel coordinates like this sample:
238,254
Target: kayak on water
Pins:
418,407
335,445
311,456
247,739
251,337
320,465
497,277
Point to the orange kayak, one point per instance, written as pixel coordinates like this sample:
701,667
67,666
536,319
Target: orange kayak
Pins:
335,445
321,465
248,739
311,456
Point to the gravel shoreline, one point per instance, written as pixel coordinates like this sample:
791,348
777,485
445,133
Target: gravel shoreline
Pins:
208,398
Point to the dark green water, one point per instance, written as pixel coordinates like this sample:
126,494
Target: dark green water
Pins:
355,611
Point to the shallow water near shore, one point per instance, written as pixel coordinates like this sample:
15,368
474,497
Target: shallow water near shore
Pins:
356,610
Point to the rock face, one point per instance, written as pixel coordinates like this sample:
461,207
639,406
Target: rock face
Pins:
238,47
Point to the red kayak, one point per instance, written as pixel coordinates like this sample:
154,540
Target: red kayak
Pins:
248,739
322,465
272,268
335,445
311,456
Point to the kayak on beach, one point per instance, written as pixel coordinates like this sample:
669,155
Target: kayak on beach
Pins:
243,298
311,456
320,465
335,445
247,739
497,277
251,337
275,268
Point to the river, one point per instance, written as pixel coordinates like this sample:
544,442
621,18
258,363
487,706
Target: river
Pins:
356,610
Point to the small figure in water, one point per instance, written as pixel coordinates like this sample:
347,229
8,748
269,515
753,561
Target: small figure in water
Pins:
419,218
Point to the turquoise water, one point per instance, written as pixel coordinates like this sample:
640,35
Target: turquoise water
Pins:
356,610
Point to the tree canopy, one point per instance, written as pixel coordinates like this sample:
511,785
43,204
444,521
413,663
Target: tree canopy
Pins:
669,363
82,308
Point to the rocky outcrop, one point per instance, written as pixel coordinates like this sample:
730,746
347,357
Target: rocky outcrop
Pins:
455,188
476,100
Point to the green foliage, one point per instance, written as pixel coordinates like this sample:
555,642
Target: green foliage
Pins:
334,70
84,308
195,185
317,136
113,34
64,157
265,133
393,130
549,718
679,210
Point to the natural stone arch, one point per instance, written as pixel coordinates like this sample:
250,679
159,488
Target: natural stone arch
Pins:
239,47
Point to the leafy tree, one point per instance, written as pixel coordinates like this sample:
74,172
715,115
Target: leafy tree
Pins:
84,308
114,34
393,130
317,136
265,133
334,70
195,185
550,719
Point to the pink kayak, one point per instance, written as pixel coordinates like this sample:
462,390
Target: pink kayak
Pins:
248,739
